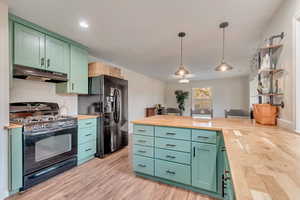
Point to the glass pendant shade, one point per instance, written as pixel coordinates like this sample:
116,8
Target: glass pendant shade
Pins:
223,67
182,71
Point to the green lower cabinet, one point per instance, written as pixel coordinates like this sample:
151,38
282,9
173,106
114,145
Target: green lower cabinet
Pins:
143,165
87,135
173,171
173,156
204,166
15,160
187,158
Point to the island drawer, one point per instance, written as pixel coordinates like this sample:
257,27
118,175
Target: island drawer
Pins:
87,123
172,171
204,136
143,151
143,165
174,133
86,134
143,140
174,156
171,144
143,130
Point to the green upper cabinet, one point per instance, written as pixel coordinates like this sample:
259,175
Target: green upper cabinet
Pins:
57,55
35,49
78,74
79,70
29,47
204,166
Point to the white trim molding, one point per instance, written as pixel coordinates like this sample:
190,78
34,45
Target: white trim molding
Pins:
4,194
296,72
285,124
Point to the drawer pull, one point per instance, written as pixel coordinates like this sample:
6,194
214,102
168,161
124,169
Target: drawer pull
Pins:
204,137
88,149
141,151
171,172
170,145
172,157
89,123
141,165
170,133
88,134
142,130
142,141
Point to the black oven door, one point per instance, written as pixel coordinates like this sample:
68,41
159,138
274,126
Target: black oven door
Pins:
44,149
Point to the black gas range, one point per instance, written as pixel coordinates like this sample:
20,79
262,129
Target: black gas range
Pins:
49,140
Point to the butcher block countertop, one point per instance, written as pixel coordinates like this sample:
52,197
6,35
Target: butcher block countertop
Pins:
80,117
264,160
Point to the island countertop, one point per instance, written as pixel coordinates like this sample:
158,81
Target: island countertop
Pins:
264,160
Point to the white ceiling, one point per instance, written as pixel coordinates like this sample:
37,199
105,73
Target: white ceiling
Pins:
142,34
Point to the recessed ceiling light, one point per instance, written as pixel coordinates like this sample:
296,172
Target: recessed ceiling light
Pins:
84,24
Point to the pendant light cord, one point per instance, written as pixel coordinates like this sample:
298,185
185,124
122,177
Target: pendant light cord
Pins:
181,51
223,53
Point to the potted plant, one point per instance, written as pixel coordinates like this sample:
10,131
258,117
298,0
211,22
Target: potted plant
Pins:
181,96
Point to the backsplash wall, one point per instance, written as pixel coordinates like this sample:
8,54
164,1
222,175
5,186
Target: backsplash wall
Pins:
27,90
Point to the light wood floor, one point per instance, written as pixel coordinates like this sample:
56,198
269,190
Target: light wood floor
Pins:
105,179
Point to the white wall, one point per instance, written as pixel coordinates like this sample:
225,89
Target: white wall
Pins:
4,96
282,21
143,92
26,90
227,93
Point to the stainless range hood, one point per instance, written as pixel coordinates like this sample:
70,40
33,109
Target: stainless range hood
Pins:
30,73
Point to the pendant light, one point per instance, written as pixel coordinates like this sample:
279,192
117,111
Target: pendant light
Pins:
182,70
184,80
223,66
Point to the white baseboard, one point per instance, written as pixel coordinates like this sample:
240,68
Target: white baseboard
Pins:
297,131
285,124
4,194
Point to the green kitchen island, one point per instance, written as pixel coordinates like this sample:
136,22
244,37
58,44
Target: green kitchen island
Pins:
182,155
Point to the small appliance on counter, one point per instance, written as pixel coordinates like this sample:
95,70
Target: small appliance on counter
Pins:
49,140
108,97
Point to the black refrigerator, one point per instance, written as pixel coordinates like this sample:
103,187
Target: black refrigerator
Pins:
107,98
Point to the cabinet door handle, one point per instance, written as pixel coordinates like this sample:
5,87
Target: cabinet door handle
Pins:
171,172
170,133
141,165
142,141
88,149
204,137
48,62
142,130
42,61
72,86
172,157
88,134
194,151
88,123
170,145
141,151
